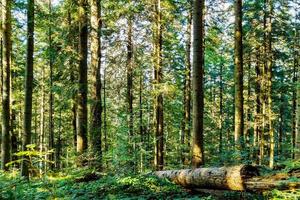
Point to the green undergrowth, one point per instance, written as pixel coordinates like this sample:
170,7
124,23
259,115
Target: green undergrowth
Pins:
86,184
75,186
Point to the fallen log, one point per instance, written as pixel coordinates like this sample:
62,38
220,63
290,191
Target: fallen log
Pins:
236,178
224,178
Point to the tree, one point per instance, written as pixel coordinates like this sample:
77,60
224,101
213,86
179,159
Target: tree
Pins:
51,96
158,104
268,68
28,86
186,129
6,33
130,84
96,77
83,87
197,78
238,78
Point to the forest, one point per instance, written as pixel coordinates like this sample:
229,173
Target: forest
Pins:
150,99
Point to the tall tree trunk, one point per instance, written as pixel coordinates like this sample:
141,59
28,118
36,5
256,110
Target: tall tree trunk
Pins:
296,78
72,44
269,62
247,137
198,94
58,152
238,79
104,112
141,124
6,34
281,109
28,85
51,97
83,87
221,111
158,75
96,109
1,71
130,90
186,132
42,121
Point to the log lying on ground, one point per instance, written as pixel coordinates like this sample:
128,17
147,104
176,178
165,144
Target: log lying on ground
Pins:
238,178
225,178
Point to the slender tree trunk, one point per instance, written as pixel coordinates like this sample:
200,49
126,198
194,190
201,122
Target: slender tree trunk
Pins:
280,132
58,148
130,88
42,120
260,102
141,127
51,96
6,34
159,120
28,85
104,112
72,80
269,56
186,132
221,111
238,79
295,133
1,72
96,109
83,87
198,94
248,129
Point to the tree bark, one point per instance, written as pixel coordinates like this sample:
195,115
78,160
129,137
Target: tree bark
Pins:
96,109
82,92
51,96
6,34
221,111
236,178
238,79
159,119
28,86
226,178
186,131
130,86
198,94
269,63
296,94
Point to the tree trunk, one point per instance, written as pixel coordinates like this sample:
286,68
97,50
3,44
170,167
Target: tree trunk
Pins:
226,178
297,132
186,131
42,121
221,111
238,79
96,109
236,178
72,44
82,92
51,96
28,86
141,124
269,62
198,94
1,71
130,89
159,120
58,152
6,34
104,112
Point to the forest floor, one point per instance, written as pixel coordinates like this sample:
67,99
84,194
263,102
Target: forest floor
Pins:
85,184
